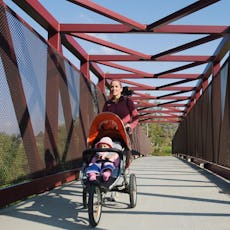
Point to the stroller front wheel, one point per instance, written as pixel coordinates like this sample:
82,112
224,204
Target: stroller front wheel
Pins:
94,204
132,190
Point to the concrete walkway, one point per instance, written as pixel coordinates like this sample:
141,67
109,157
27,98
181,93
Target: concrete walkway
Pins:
172,195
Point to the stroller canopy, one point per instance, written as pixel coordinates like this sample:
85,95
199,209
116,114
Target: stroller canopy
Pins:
107,124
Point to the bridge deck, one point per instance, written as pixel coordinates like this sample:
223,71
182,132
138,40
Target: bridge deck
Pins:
171,195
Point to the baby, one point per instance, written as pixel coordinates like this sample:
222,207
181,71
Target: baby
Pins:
97,167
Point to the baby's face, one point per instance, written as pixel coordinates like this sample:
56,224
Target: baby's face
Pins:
103,146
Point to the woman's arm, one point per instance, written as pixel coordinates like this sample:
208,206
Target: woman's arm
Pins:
133,114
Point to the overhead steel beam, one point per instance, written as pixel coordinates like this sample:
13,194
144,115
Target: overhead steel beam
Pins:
140,76
74,47
39,13
121,67
109,14
165,29
186,46
194,64
219,53
181,13
173,88
169,58
111,45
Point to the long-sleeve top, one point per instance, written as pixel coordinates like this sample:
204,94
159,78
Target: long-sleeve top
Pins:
125,109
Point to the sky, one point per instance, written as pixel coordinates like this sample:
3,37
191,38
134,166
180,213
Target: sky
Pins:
146,12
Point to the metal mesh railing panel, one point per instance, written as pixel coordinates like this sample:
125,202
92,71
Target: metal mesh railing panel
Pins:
47,106
206,129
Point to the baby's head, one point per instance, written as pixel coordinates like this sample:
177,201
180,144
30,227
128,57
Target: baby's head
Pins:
105,142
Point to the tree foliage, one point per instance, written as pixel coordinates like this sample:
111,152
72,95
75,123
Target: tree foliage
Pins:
161,135
13,162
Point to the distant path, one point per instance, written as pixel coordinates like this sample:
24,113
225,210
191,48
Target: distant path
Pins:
172,195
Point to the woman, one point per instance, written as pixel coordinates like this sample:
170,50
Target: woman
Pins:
122,106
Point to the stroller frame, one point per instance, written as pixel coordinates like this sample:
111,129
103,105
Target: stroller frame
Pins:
94,193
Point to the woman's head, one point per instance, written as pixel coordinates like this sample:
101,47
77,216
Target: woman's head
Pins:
115,89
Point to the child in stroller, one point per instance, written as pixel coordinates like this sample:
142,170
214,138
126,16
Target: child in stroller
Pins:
103,163
107,128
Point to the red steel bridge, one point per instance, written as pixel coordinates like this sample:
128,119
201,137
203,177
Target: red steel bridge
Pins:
48,98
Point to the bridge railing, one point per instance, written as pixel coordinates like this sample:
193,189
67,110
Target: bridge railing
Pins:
46,110
203,136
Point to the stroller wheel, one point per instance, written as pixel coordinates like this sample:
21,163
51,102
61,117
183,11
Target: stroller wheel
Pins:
85,198
132,190
94,205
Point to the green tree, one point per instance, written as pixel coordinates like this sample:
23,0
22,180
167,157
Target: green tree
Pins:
13,162
161,135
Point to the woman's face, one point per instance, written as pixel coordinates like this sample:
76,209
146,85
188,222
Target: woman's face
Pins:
115,89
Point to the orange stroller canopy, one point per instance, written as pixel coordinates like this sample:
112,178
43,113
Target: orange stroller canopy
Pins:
107,124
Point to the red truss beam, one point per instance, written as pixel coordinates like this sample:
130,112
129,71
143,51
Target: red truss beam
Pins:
75,47
174,105
118,58
137,84
180,68
171,58
164,118
174,83
181,13
184,58
109,14
173,88
144,104
144,97
39,13
155,98
97,70
163,87
221,50
186,46
193,29
111,45
127,75
165,29
161,117
121,67
139,76
151,108
179,76
95,28
144,57
161,111
159,121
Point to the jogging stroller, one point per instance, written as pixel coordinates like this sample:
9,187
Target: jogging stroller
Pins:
110,125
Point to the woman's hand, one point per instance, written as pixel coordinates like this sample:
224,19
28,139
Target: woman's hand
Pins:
128,128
